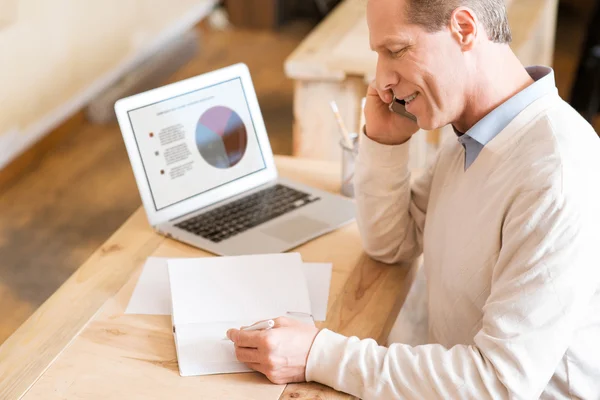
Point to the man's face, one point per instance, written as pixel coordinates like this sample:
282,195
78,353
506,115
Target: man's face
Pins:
412,61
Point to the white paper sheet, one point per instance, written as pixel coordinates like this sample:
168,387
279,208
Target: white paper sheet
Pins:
152,294
220,289
318,280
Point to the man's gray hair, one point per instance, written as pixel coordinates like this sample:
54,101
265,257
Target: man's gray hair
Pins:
434,15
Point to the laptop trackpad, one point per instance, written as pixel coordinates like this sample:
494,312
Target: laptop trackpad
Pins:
295,229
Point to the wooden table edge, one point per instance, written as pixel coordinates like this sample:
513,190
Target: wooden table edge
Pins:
85,292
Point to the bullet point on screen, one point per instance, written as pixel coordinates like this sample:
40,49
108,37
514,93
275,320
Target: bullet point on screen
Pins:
162,171
151,134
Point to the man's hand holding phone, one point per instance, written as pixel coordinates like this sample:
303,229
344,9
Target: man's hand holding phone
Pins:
383,125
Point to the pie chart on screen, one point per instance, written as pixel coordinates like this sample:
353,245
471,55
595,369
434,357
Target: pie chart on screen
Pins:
221,137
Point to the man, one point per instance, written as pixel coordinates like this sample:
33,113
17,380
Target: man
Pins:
507,216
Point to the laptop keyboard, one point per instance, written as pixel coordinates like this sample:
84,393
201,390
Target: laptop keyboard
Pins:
239,216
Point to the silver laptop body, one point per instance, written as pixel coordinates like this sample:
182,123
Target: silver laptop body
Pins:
252,212
324,213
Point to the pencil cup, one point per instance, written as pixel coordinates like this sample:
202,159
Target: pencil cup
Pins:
349,155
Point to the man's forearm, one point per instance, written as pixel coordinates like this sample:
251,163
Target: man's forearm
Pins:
390,211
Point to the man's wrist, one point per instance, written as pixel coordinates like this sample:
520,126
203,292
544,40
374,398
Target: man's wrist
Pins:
377,154
309,350
325,357
384,142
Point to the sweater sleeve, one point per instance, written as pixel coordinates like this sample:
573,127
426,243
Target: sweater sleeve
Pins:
390,211
542,285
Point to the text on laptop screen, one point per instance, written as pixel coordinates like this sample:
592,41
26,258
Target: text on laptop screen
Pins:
197,141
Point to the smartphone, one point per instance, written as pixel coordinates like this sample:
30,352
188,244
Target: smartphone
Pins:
397,106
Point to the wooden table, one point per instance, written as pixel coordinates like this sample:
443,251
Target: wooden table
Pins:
79,344
335,63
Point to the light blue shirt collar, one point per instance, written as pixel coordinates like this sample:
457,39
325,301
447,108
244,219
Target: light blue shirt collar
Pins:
475,139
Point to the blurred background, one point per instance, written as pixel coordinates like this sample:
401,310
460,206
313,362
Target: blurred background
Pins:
65,180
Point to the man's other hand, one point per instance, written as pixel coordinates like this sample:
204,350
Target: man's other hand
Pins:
383,125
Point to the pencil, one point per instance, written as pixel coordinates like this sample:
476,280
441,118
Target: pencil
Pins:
340,121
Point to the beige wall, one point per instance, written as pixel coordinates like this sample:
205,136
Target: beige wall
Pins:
55,53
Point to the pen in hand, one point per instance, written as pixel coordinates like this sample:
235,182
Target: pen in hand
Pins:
259,326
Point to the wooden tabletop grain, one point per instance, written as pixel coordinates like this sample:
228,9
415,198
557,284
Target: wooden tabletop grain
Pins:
80,345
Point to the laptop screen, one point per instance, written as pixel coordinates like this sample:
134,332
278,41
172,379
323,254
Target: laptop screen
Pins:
195,142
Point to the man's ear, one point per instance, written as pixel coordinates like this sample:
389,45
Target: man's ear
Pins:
464,27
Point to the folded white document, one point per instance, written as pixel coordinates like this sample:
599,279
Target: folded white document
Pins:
211,295
152,294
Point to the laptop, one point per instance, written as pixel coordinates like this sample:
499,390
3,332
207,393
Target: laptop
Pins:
205,170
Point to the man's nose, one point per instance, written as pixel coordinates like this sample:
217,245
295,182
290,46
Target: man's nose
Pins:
386,76
387,84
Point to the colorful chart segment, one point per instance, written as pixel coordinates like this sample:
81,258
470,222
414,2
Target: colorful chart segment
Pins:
221,137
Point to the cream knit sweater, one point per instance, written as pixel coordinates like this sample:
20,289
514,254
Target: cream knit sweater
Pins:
512,259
